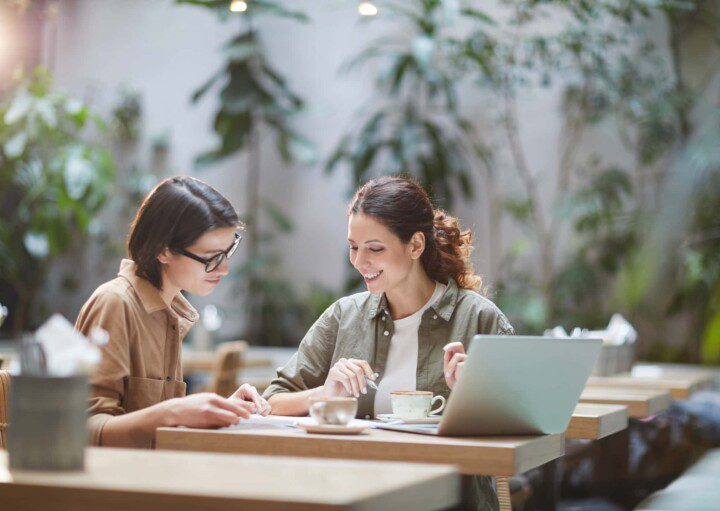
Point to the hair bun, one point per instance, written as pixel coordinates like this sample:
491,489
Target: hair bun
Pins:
454,247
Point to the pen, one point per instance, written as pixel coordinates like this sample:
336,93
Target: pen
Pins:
371,383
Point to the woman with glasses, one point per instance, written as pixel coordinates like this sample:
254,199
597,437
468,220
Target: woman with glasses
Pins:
181,238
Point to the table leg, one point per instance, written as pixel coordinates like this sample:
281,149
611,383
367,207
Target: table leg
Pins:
503,493
477,494
613,457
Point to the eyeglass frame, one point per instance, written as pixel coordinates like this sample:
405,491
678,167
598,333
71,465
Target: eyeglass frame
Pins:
226,254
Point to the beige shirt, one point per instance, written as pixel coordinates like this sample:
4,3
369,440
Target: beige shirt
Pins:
141,364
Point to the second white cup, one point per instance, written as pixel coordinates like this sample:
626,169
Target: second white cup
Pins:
415,404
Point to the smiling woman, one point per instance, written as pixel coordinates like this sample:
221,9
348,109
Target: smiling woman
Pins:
181,238
422,296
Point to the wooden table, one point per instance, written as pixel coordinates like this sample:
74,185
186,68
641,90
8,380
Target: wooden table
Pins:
595,421
679,388
121,479
705,375
641,403
496,456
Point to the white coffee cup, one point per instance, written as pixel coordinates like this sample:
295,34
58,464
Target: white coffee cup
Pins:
414,404
333,411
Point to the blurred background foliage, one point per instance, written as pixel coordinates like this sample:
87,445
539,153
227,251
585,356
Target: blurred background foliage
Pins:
627,220
582,239
613,73
413,123
53,183
256,101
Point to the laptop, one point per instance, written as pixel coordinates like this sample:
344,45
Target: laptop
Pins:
514,385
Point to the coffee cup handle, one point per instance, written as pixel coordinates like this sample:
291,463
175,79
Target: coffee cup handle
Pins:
438,409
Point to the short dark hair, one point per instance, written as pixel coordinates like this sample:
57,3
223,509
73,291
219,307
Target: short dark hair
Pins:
174,215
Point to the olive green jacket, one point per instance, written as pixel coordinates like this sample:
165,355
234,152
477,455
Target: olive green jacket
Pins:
360,327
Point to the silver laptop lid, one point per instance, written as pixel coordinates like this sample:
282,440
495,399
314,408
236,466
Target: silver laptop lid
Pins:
515,385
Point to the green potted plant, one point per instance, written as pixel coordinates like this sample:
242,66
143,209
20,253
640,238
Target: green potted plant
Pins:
52,184
256,101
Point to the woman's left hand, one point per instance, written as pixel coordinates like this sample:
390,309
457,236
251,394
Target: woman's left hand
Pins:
247,392
453,362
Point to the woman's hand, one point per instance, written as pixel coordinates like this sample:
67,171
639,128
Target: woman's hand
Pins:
205,410
248,394
453,362
347,378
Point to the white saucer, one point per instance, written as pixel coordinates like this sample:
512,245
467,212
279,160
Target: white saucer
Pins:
329,429
388,417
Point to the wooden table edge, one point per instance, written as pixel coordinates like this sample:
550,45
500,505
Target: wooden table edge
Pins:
540,449
615,420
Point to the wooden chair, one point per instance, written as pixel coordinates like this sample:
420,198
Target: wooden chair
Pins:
4,398
228,362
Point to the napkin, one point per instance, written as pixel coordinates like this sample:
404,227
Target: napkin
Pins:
618,332
67,351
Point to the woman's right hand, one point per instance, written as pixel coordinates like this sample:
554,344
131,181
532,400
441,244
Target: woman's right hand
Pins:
347,378
205,410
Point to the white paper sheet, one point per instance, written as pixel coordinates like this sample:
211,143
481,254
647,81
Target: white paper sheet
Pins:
283,422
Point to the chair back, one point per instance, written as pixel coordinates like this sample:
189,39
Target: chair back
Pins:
229,359
4,398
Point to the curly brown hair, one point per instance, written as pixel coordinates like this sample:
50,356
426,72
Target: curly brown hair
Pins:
403,206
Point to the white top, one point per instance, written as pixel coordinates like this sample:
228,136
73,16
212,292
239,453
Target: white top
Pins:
401,365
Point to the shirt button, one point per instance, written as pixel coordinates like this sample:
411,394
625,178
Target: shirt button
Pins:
435,316
386,333
167,378
367,417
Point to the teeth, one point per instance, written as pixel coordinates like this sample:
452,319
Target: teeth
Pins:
371,276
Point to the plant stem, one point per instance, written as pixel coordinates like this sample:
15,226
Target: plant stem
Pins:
680,86
254,297
542,234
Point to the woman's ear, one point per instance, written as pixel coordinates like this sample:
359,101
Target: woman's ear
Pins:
164,256
417,245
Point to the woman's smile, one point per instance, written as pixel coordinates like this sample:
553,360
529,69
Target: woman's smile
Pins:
371,277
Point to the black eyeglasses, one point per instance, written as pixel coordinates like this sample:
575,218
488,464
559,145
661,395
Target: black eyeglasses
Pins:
216,260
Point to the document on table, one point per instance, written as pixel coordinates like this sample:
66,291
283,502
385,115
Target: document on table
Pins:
257,421
281,422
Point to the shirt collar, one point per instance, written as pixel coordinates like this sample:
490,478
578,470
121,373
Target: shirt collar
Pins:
150,296
378,304
443,306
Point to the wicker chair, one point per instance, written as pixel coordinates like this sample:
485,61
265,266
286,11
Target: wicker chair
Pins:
228,361
4,397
